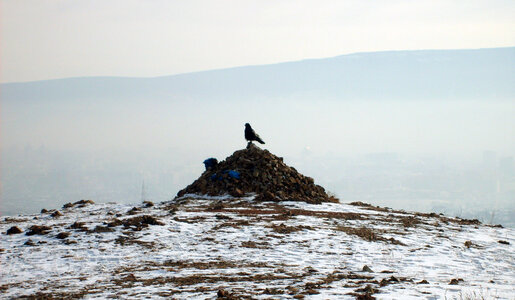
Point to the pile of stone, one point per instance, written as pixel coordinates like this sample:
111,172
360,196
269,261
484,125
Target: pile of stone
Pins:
256,171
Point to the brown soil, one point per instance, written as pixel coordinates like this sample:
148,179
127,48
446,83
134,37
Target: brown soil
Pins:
80,203
135,223
283,229
79,226
100,228
363,232
63,235
14,230
56,214
455,281
37,229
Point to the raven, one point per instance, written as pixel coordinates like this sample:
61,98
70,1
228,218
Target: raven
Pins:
251,135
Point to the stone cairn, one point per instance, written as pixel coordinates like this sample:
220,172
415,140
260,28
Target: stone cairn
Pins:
257,171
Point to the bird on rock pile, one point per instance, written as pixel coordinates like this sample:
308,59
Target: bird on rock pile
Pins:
251,135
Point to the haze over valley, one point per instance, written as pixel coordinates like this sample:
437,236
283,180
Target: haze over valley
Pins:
418,130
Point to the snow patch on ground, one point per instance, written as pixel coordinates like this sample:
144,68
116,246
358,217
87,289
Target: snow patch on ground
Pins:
255,250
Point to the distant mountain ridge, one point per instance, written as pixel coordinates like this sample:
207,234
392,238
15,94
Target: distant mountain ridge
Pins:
474,73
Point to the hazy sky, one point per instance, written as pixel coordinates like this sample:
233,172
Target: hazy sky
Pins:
43,39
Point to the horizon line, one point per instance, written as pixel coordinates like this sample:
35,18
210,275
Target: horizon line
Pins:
251,65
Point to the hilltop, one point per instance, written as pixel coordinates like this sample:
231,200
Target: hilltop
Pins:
238,248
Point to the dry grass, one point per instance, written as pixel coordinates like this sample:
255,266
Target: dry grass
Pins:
365,233
284,229
409,221
251,244
281,212
233,224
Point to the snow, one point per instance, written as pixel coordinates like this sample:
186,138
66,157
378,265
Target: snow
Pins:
257,250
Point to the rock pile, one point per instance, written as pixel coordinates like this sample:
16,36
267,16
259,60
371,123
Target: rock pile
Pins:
254,170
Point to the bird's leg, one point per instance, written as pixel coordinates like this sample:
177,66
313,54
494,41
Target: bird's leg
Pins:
248,144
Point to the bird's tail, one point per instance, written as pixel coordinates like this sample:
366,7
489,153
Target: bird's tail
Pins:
259,140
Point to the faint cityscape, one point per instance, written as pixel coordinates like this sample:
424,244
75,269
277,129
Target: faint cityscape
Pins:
483,189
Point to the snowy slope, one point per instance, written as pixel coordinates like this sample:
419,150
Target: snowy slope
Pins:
237,248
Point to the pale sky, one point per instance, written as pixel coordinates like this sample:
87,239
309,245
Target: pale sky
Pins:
43,39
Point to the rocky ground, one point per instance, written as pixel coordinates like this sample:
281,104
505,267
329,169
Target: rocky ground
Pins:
239,248
257,171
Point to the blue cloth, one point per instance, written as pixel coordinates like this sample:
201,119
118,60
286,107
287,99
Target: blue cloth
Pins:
234,174
210,162
230,174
